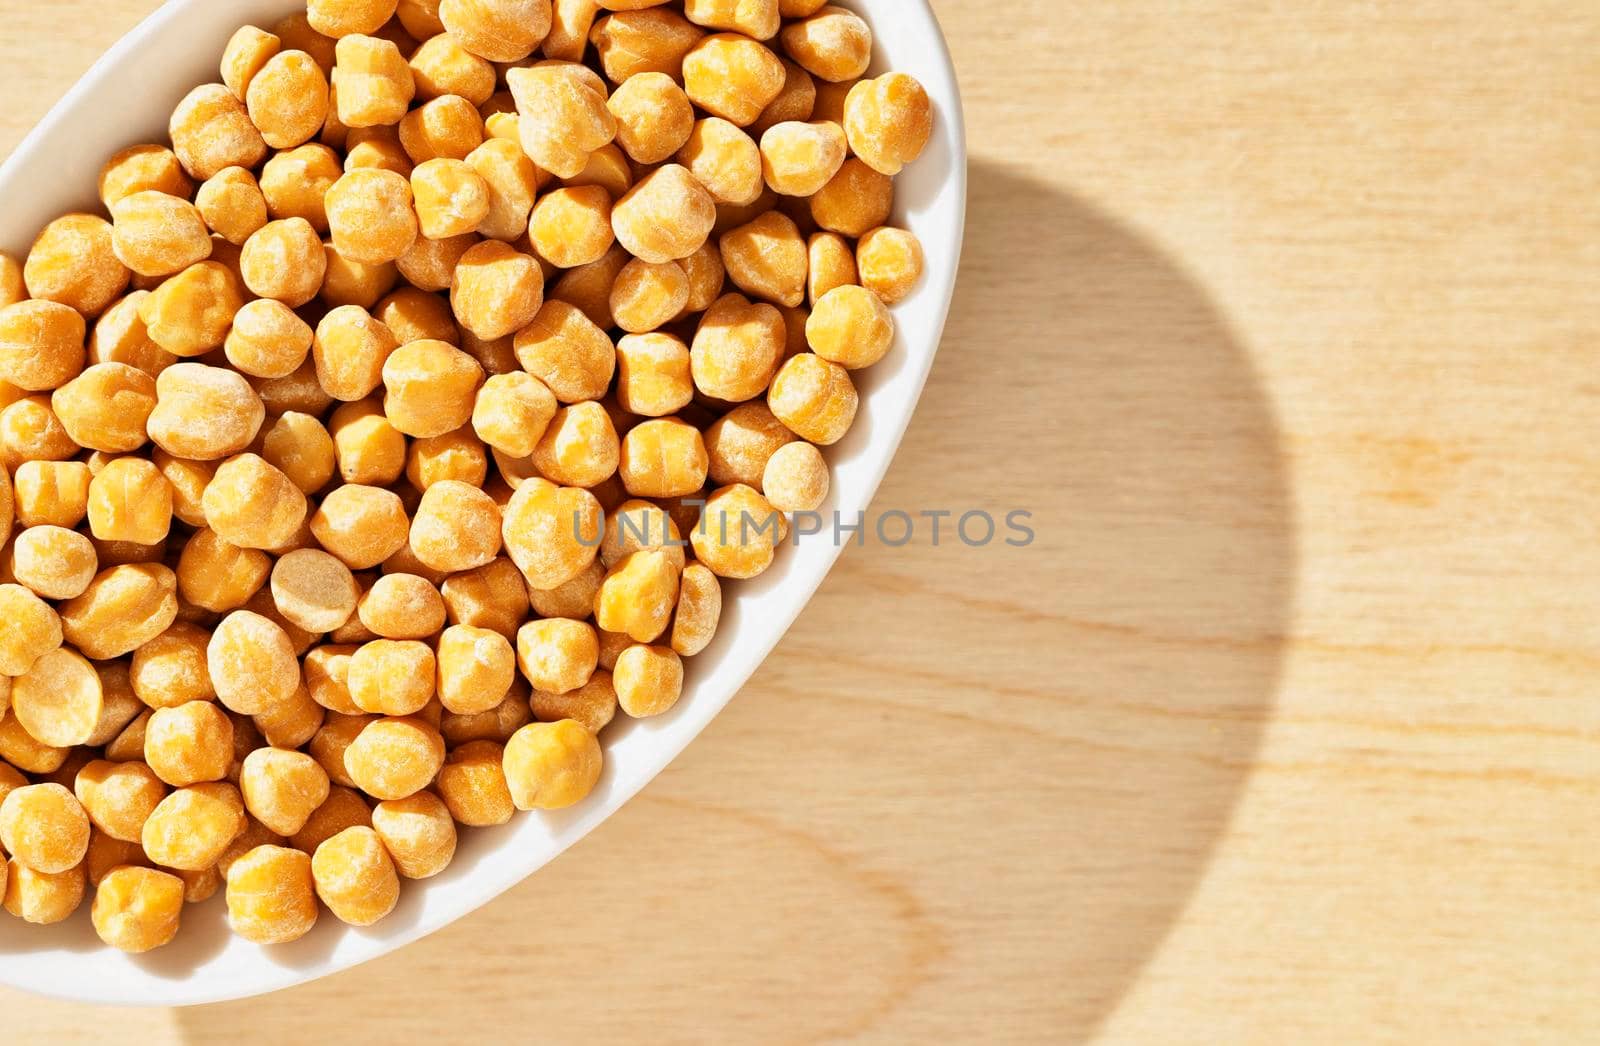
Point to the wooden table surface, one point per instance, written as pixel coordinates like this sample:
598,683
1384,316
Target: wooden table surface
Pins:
1281,318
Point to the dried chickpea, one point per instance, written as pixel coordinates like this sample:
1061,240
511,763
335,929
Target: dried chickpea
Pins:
418,832
646,295
267,339
191,827
511,179
211,130
119,706
106,407
653,40
441,66
204,413
119,797
74,262
551,765
457,527
32,629
30,431
588,288
219,576
456,455
561,118
814,398
733,77
44,827
855,201
361,525
798,159
58,699
136,910
557,654
171,670
41,345
271,895
736,347
251,504
420,18
648,680
350,348
313,590
638,596
10,779
127,746
42,897
653,374
636,525
130,500
797,100
282,789
300,447
232,206
570,227
392,677
890,262
512,412
889,121
21,750
372,84
594,704
344,809
497,724
247,51
252,663
452,199
341,18
445,128
476,669
377,148
157,235
190,313
371,216
284,260
53,562
355,877
120,336
189,743
107,854
430,387
402,606
291,723
570,23
833,44
767,258
327,671
499,30
473,785
667,216
353,283
796,478
737,534
395,757
142,167
496,291
654,117
663,458
757,19
579,448
850,326
550,531
287,99
699,610
431,264
415,315
493,596
608,168
294,182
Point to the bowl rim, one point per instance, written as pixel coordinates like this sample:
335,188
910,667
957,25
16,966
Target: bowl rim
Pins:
145,990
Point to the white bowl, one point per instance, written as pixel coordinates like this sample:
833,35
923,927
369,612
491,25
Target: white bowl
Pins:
126,99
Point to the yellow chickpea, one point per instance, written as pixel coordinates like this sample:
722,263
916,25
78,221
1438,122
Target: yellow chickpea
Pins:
550,532
402,606
190,313
107,854
130,500
832,264
345,808
699,610
378,148
415,315
361,525
122,609
767,258
557,654
355,876
372,83
267,339
706,276
431,264
21,750
41,345
798,159
393,758
890,262
579,448
472,784
736,347
588,288
211,130
53,562
327,677
125,746
549,766
44,827
645,296
889,121
562,119
663,458
353,283
639,595
58,700
457,527
441,66
855,201
420,18
291,723
499,30
737,533
350,348
74,262
648,680
232,206
314,591
139,168
570,227
496,291
493,597
118,797
285,261
455,456
251,504
271,895
219,576
511,180
246,52
42,897
757,19
732,76
282,789
30,431
341,18
301,448
850,326
105,408
120,336
371,216
476,669
653,376
796,478
497,724
287,99
593,705
191,827
418,832
392,677
833,44
667,216
654,117
157,235
814,398
204,413
252,663
447,127
171,670
797,100
512,412
651,40
571,21
189,744
452,199
636,525
430,388
136,910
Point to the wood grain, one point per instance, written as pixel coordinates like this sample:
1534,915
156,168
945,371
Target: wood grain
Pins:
1281,319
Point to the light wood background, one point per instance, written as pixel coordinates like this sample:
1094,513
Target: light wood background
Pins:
1281,318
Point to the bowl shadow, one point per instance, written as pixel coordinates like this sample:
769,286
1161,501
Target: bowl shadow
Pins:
976,788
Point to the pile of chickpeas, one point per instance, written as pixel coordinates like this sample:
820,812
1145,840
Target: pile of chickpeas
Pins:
347,456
